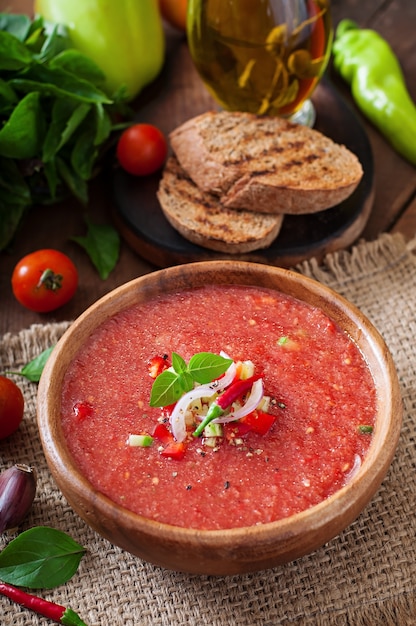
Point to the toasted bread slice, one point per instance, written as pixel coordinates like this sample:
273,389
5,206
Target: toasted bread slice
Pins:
265,164
200,217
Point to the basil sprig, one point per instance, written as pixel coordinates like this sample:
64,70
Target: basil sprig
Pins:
171,384
40,557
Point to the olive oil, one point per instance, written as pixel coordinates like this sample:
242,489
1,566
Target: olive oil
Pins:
261,56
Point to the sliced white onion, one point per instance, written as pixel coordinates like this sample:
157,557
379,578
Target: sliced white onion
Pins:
177,418
252,403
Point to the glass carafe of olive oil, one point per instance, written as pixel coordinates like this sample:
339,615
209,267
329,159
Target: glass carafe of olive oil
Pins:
262,56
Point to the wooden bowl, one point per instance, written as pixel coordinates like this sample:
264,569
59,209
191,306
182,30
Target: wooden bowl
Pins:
237,550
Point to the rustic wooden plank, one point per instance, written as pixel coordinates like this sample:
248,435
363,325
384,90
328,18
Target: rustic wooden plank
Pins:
395,179
406,224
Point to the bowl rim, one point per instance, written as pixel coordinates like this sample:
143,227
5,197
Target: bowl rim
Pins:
342,505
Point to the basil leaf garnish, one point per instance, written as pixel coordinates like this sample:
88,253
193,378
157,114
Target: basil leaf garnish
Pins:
33,370
171,384
40,557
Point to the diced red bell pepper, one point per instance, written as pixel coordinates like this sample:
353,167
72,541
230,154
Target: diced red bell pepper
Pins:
83,410
157,365
174,450
236,429
259,422
162,433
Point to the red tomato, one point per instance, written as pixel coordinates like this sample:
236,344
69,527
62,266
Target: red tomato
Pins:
44,280
174,12
142,149
11,407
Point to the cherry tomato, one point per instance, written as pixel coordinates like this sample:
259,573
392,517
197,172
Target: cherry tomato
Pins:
142,149
11,407
44,280
174,12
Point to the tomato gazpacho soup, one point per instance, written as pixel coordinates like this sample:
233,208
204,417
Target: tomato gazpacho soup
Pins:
219,407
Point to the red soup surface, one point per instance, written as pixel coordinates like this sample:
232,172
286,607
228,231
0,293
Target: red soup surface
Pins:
323,395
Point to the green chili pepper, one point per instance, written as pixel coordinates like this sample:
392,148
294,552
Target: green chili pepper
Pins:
366,61
230,395
124,37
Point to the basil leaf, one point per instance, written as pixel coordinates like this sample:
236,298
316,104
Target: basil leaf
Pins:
7,93
102,244
17,25
206,366
52,178
178,363
84,154
103,123
55,81
186,381
166,389
33,370
40,557
78,64
52,39
66,118
13,54
22,135
74,182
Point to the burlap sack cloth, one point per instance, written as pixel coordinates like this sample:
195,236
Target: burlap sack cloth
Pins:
367,575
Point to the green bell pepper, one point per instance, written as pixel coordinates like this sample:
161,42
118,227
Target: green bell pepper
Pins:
125,38
366,61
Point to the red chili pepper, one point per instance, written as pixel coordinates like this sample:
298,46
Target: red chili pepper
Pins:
174,450
157,365
53,611
237,389
259,422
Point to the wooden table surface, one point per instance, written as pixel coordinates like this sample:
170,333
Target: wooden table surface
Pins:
394,208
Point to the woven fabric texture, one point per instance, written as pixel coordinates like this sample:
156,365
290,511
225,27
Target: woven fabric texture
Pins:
365,576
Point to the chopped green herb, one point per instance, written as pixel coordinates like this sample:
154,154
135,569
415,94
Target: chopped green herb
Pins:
282,340
364,429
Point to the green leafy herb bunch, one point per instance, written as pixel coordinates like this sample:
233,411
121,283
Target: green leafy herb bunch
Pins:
55,118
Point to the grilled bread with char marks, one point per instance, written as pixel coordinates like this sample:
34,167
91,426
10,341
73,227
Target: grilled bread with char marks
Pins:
200,217
265,164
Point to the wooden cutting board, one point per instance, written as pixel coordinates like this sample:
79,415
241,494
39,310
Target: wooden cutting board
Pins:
179,94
